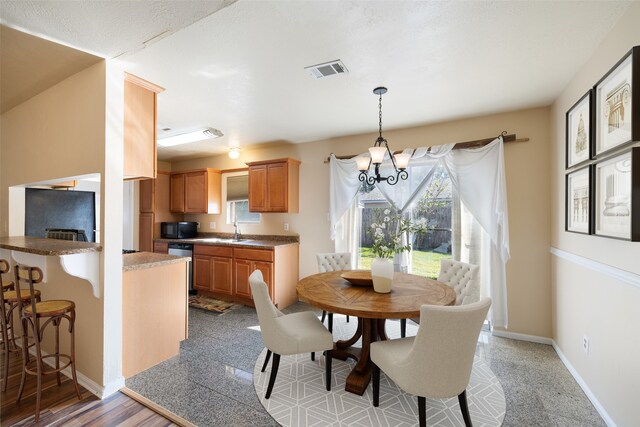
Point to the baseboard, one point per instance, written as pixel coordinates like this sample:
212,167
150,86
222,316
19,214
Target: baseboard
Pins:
93,387
582,383
521,337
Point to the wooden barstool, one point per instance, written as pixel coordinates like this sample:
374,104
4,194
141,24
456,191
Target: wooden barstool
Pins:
9,299
53,311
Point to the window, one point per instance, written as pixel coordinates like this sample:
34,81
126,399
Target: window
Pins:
434,204
240,209
237,186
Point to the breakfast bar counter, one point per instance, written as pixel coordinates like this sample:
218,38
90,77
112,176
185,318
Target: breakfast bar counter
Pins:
47,247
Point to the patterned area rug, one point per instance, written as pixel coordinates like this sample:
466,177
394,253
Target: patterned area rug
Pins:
211,304
299,397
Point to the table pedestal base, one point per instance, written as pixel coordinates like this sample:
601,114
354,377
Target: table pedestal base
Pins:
370,330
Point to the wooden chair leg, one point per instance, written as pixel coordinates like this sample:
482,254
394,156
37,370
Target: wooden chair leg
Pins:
73,352
266,360
328,359
39,374
274,371
403,328
313,356
330,315
56,323
422,411
25,356
464,408
376,385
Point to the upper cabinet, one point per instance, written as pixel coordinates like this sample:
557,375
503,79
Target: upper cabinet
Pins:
139,127
273,185
196,191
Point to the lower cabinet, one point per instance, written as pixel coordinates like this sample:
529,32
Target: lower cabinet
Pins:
223,271
212,269
243,269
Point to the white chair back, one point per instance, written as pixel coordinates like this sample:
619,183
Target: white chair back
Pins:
267,312
334,261
439,363
463,278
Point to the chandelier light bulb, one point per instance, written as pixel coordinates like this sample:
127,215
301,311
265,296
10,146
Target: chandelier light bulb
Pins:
377,154
362,162
402,160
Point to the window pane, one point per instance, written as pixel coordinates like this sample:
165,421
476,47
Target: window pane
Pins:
434,205
240,209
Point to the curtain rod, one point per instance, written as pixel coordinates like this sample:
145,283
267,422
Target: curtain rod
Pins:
467,144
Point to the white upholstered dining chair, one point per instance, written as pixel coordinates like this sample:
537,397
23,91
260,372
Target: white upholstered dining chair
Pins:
288,334
333,262
437,362
462,277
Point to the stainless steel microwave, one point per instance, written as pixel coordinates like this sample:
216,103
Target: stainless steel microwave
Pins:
178,230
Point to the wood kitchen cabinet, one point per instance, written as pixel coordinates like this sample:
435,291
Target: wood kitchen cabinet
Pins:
212,269
154,209
139,132
274,185
223,271
145,237
161,247
196,191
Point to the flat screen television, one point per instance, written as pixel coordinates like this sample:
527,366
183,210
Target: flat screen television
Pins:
59,209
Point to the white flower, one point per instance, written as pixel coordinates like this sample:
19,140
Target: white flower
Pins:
387,211
387,219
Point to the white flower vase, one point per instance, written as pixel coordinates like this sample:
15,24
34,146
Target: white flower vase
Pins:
382,275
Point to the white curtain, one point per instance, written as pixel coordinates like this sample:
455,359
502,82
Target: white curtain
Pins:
478,178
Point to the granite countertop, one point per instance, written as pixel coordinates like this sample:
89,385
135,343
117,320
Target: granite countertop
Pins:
142,260
40,246
246,241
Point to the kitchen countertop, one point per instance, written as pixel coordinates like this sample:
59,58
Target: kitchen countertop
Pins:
142,260
245,242
47,247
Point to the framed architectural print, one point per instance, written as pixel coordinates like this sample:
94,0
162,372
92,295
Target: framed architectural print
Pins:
578,130
618,104
616,198
578,191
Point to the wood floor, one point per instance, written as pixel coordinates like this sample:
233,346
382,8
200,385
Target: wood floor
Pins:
61,407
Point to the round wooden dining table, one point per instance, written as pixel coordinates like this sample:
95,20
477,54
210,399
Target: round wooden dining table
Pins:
330,292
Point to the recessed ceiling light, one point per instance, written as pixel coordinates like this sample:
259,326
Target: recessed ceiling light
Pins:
186,138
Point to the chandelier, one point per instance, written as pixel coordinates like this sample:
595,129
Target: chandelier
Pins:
379,149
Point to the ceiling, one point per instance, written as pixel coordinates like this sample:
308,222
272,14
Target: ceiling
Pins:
241,69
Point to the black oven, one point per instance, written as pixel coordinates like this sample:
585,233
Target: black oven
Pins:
178,230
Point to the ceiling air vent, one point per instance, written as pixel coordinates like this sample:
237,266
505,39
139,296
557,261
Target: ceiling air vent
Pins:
327,69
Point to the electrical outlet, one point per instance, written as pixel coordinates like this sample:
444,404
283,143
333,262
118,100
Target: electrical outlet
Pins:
198,225
286,227
585,344
212,225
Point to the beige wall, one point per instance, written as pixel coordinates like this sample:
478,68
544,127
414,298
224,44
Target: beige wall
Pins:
65,132
585,301
527,272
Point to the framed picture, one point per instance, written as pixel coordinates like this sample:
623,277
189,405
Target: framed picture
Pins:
578,211
578,129
618,104
616,196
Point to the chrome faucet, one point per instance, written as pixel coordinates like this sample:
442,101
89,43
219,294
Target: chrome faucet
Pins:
236,234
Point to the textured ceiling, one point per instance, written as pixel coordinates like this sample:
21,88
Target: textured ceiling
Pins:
241,70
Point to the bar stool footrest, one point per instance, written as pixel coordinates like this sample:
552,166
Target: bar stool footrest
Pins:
34,370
